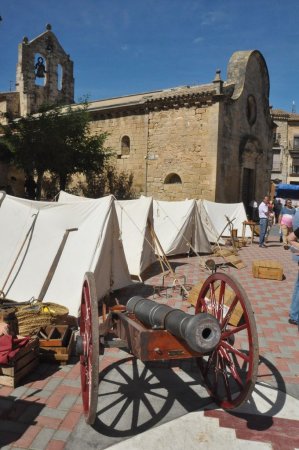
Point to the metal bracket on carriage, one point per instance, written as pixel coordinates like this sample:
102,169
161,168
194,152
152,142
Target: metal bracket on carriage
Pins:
106,329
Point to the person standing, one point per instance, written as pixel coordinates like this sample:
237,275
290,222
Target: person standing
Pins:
277,208
294,308
271,219
285,221
263,216
254,211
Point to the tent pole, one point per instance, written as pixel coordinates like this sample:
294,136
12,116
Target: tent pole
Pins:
165,260
55,263
2,294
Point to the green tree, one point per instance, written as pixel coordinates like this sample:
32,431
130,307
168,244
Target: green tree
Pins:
56,140
109,181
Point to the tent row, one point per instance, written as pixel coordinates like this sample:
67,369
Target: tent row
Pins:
79,236
113,239
179,227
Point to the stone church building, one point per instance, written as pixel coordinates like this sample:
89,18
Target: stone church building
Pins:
211,141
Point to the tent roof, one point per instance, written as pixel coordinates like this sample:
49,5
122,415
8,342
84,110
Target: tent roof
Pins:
133,217
30,238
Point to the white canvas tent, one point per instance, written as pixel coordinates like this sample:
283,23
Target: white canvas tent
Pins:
134,217
31,234
178,227
214,219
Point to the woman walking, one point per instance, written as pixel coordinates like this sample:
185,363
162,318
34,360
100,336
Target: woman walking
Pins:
285,221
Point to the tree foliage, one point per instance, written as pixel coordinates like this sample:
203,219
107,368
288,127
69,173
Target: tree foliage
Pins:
109,181
56,141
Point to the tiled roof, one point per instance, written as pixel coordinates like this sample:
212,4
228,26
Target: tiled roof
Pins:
138,99
284,114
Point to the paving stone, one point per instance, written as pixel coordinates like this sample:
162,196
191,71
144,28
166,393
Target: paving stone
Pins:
42,439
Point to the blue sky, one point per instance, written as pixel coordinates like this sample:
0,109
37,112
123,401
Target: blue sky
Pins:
121,47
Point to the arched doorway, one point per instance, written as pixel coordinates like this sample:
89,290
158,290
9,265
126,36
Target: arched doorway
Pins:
250,152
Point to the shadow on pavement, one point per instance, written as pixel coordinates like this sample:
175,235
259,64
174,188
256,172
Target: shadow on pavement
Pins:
267,400
134,397
16,416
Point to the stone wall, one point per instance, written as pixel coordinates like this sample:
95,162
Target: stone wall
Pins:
135,126
53,90
179,141
245,138
183,142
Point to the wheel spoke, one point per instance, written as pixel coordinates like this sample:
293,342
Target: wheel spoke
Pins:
156,394
229,372
232,366
235,351
221,302
124,375
232,331
209,362
148,405
225,379
118,383
111,405
229,313
120,413
213,300
135,414
263,396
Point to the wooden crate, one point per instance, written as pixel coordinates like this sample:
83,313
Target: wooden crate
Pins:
228,298
269,269
58,346
22,364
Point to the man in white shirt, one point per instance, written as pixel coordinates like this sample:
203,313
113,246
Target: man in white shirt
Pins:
263,216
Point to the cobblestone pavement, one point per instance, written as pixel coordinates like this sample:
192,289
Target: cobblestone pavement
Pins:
45,412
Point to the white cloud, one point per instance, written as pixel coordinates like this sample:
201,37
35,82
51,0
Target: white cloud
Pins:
198,39
213,17
124,47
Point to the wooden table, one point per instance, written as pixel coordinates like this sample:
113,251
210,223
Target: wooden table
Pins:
251,224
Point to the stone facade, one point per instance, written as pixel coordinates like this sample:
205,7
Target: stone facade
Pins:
285,149
36,87
211,141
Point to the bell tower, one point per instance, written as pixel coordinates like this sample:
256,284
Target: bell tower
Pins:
44,73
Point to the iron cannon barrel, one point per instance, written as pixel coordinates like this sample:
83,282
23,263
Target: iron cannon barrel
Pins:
201,332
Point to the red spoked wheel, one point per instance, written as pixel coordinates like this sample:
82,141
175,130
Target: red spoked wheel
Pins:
230,371
89,358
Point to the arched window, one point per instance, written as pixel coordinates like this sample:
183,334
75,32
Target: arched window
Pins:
125,145
59,77
173,178
40,70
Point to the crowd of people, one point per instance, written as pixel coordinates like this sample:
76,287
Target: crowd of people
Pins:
287,217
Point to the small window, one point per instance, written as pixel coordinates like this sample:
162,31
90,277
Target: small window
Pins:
276,165
296,142
40,70
59,77
173,178
125,145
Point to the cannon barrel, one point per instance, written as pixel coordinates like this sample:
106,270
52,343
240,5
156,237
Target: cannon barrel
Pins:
201,332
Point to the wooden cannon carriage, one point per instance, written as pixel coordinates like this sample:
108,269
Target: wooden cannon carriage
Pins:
221,336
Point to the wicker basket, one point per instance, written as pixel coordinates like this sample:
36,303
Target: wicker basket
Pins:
37,315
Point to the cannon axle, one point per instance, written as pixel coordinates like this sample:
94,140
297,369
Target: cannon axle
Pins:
201,332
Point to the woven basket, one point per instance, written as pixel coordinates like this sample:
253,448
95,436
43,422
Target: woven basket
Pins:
38,314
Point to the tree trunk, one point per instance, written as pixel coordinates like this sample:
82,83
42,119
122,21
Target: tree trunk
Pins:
39,185
62,181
